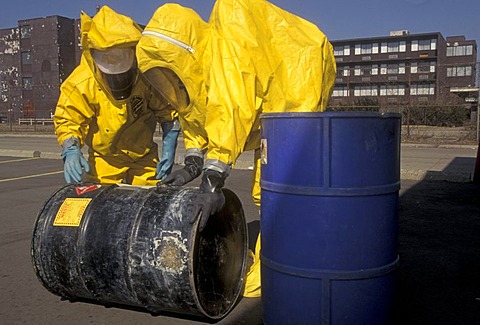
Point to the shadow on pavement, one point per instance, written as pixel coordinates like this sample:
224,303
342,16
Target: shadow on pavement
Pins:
439,248
459,169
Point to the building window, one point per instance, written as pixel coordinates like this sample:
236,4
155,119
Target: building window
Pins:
424,45
365,91
392,90
26,31
393,47
422,89
340,91
422,67
459,71
341,50
357,70
27,83
366,70
392,68
361,49
414,67
460,50
26,57
366,49
343,71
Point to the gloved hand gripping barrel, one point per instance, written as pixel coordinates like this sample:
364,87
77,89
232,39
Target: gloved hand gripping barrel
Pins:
135,246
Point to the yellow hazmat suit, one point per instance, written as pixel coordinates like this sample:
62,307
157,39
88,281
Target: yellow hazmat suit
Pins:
251,58
175,40
118,133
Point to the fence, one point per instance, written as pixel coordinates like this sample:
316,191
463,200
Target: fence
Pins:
432,116
32,121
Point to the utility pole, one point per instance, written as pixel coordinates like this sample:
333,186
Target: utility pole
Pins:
476,172
478,116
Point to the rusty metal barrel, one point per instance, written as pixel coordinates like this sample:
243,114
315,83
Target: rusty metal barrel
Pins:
136,246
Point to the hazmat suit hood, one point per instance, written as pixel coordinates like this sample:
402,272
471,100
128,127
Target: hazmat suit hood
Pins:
252,57
109,31
264,59
174,42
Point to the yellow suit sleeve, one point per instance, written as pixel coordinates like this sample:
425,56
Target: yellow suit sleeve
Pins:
73,113
263,59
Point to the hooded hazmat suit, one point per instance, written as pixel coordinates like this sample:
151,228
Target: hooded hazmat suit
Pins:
251,58
118,130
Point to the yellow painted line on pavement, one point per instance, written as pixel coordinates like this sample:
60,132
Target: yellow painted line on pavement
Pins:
15,160
29,176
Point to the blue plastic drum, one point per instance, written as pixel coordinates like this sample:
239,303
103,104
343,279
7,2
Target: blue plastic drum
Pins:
330,184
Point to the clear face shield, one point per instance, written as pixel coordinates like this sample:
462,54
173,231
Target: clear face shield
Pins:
118,70
169,86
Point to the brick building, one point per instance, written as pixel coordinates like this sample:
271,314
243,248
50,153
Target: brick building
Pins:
35,58
405,68
402,68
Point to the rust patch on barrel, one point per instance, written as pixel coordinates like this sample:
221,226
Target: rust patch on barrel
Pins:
170,252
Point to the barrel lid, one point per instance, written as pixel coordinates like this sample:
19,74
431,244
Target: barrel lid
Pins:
362,114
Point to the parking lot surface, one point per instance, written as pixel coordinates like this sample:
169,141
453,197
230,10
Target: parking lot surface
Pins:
439,247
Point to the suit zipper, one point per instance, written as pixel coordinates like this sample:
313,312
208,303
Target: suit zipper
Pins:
170,40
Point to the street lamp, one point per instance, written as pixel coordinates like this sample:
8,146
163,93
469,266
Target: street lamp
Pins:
10,117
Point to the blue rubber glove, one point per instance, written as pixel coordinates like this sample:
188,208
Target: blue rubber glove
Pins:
170,132
73,162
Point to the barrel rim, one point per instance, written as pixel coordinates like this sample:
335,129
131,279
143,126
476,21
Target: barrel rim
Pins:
326,190
330,115
229,195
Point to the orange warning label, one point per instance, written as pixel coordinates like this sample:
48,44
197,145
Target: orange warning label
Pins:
71,212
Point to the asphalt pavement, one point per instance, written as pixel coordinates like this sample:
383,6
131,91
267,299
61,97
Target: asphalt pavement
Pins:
439,221
25,185
454,163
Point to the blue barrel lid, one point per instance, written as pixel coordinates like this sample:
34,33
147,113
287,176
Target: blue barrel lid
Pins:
329,115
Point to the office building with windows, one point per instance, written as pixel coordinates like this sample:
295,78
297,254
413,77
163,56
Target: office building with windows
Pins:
398,69
404,68
35,58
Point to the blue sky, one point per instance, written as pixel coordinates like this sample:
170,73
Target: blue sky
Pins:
338,19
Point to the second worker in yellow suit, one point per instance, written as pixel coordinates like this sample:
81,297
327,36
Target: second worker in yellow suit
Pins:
105,105
250,58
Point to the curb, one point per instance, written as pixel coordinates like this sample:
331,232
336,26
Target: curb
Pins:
241,164
430,175
445,146
29,154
